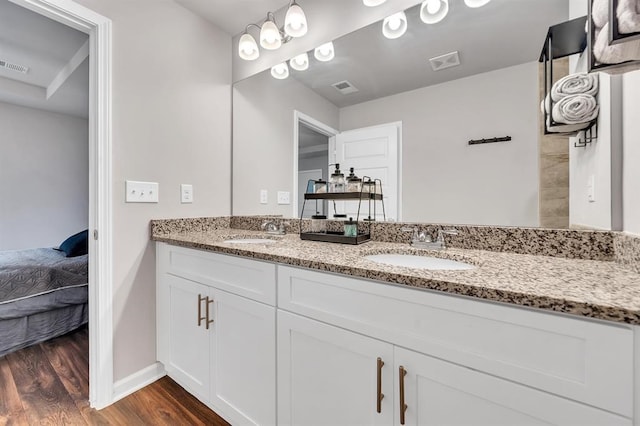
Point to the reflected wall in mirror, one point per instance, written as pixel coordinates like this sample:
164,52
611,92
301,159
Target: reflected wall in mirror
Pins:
442,179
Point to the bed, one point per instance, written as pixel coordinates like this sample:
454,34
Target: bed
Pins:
43,294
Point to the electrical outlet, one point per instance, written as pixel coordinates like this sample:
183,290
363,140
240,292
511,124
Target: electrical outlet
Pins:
141,192
264,196
186,193
284,197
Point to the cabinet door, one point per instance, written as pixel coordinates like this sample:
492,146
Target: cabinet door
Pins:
187,354
438,392
243,361
328,376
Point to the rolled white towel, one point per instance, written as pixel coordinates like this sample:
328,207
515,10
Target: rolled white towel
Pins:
616,53
573,84
628,16
600,12
575,109
565,128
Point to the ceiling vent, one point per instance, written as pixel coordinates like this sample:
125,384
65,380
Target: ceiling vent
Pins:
447,60
344,87
13,67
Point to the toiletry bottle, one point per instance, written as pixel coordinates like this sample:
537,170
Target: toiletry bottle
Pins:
354,183
320,186
336,182
351,228
318,223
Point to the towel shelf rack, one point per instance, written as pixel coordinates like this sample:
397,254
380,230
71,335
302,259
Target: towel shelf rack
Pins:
615,36
490,140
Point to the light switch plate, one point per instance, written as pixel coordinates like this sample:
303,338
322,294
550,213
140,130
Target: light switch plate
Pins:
186,193
141,192
264,196
284,197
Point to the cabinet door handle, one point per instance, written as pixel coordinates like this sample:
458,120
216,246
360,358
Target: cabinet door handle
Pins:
380,395
403,406
200,317
208,321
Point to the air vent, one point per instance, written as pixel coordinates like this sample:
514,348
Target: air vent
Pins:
447,60
13,67
344,87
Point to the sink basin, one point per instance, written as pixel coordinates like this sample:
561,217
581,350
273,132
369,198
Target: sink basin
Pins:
419,262
250,241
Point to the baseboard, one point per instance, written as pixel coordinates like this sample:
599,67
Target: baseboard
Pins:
137,381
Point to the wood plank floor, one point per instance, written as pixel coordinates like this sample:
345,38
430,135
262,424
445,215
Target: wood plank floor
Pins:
48,384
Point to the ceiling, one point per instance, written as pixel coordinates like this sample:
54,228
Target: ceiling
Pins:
57,59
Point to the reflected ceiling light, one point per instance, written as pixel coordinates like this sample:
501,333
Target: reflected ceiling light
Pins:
270,37
280,71
324,52
434,11
300,62
248,48
372,3
395,25
476,3
295,22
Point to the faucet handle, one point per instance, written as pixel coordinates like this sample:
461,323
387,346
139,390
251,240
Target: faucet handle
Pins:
441,232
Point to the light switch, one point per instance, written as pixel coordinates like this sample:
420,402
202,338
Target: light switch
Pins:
141,192
284,197
264,196
186,193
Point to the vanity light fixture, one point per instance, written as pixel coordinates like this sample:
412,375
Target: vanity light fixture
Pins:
324,52
373,3
433,11
300,62
280,71
476,3
271,36
394,26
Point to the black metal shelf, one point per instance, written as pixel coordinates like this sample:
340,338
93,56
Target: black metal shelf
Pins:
343,196
335,237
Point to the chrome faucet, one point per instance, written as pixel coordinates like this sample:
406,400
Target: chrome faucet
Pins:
271,227
421,239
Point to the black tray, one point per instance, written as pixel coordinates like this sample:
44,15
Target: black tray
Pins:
335,237
343,196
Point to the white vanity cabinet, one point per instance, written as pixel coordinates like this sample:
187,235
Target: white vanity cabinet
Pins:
467,362
216,330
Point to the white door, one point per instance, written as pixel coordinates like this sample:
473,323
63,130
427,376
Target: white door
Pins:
188,349
374,152
328,376
440,393
243,359
303,179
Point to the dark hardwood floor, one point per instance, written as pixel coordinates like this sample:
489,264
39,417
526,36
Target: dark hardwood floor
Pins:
48,384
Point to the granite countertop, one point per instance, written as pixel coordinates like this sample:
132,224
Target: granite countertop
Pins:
588,288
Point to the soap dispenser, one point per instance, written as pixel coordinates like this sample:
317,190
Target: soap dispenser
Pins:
336,182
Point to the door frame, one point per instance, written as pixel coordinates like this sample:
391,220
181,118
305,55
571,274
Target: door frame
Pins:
100,284
318,126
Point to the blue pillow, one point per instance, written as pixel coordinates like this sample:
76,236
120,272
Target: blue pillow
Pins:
76,245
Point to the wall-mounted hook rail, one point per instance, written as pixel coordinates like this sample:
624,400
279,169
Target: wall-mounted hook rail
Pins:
588,136
490,140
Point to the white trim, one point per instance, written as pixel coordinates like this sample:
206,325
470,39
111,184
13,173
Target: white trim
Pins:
319,127
138,380
98,27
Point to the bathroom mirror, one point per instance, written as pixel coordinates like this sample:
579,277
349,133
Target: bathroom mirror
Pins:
442,178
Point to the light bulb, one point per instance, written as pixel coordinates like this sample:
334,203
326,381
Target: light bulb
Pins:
433,11
373,3
248,48
295,22
476,3
300,62
433,6
395,25
280,71
270,36
324,52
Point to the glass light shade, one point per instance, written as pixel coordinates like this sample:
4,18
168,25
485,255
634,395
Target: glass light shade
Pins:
324,52
300,62
476,3
372,3
295,23
280,71
270,36
434,11
248,48
394,26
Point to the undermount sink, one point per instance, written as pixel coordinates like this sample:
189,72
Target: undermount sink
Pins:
419,262
250,241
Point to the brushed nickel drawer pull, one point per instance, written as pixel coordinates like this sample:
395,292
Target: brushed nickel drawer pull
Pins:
200,317
209,302
379,386
403,406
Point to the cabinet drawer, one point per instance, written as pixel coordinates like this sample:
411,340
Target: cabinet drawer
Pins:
249,278
587,361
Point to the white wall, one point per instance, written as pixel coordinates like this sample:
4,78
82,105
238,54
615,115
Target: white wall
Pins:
44,177
631,152
263,124
448,181
171,124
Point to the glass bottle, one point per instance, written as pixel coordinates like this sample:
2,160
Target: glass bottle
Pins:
320,187
354,183
336,182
